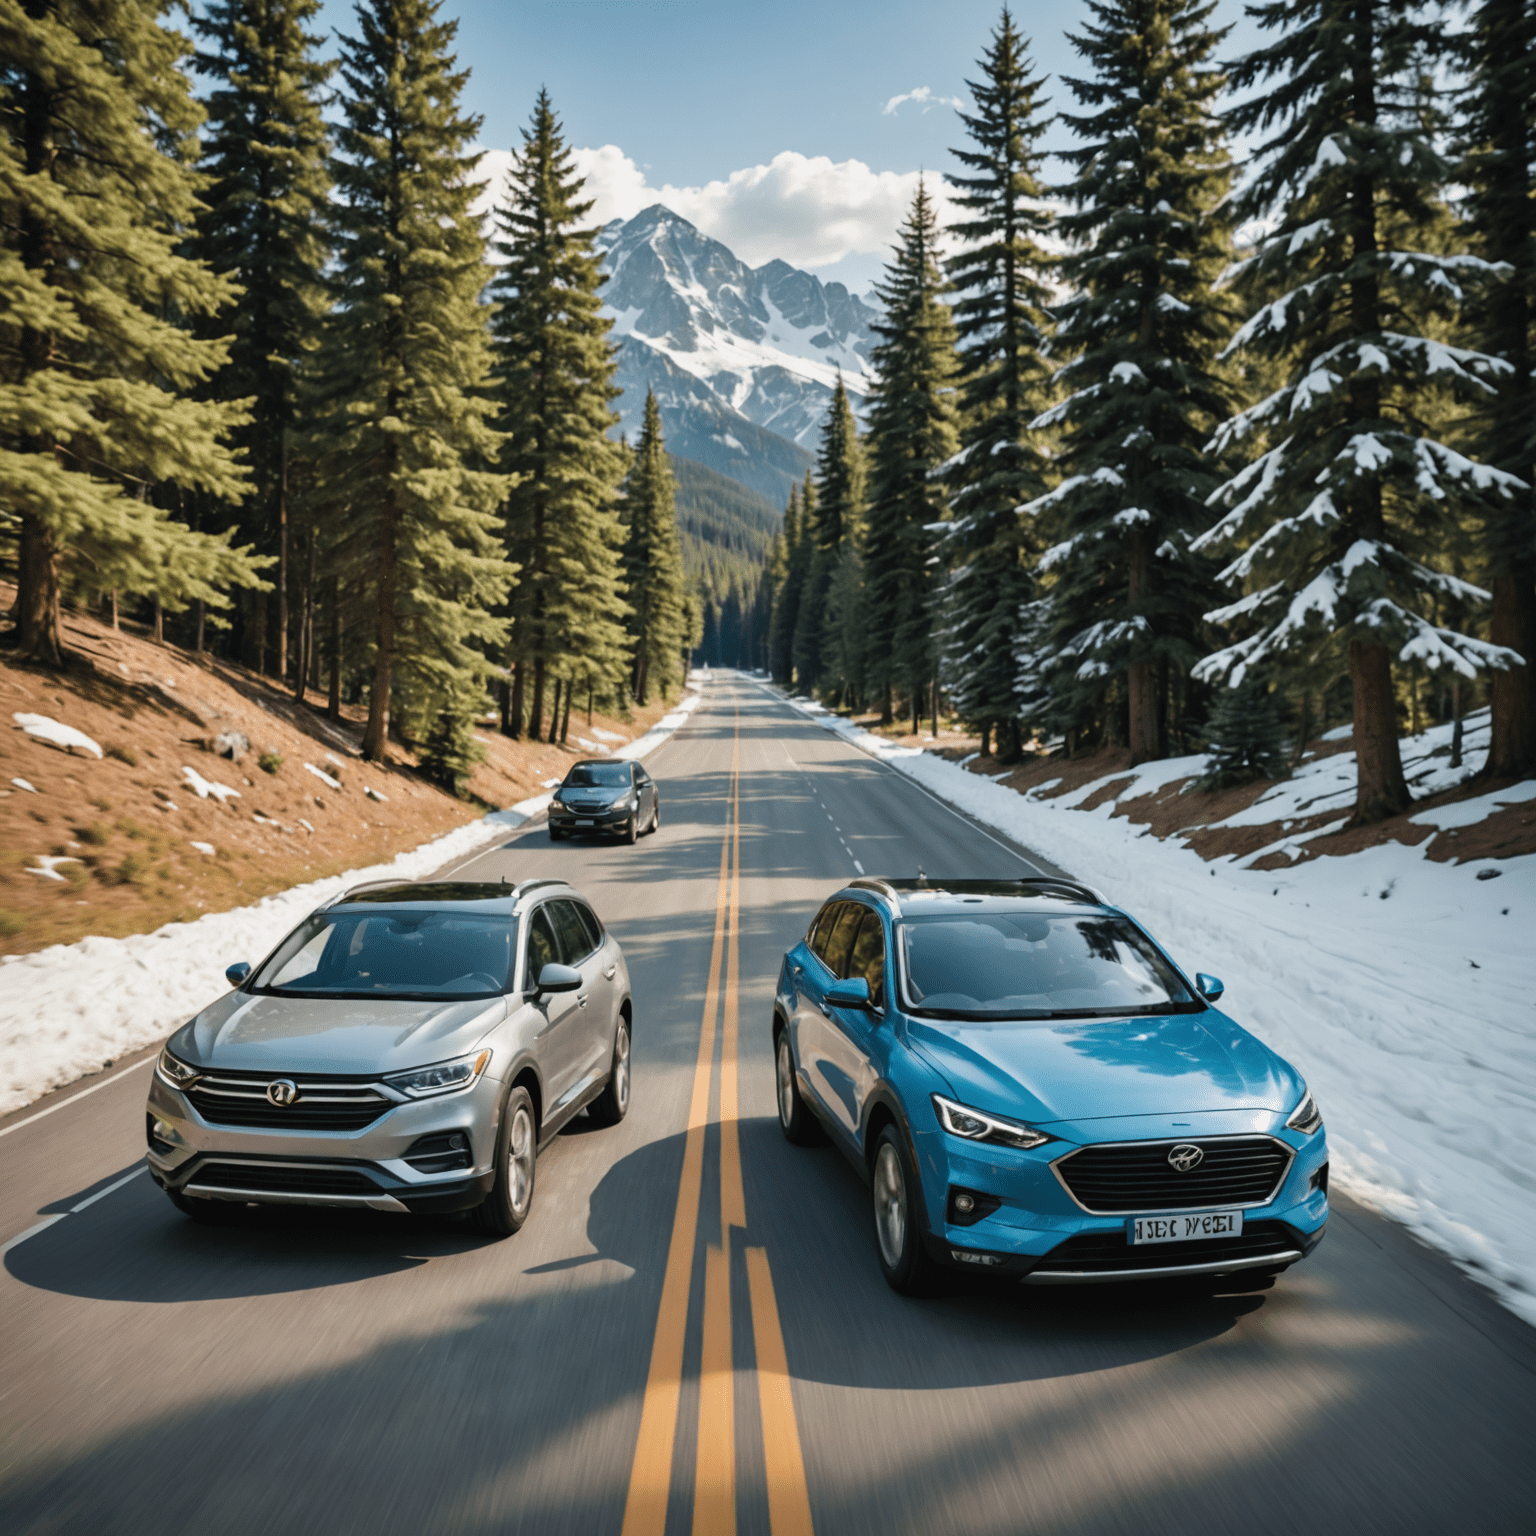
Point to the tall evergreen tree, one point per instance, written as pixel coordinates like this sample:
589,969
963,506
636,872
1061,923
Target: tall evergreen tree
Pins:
1000,274
263,224
1145,326
786,607
404,374
911,433
97,374
653,562
1339,515
555,389
833,520
1499,129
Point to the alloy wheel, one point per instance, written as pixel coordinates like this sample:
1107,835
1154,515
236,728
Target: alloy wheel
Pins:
890,1190
621,1069
785,1074
520,1151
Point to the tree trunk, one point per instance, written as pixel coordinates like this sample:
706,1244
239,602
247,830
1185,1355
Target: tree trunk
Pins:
504,703
333,702
282,568
516,728
376,733
37,595
887,706
554,714
565,718
1381,789
589,706
159,625
986,739
202,623
536,709
1141,676
1456,725
934,686
307,621
1512,743
641,676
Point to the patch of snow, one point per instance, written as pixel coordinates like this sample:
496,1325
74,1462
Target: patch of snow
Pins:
1467,813
206,787
202,847
31,789
373,794
331,757
305,825
322,775
48,865
65,736
603,735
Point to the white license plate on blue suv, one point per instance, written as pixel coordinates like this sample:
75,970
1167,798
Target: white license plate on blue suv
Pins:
1186,1229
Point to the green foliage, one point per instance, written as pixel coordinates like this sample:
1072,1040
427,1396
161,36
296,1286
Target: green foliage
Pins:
1000,276
450,752
792,560
912,431
653,563
554,388
96,834
402,430
1245,738
270,761
98,373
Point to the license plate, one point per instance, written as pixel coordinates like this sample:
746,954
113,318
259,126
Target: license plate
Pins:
587,822
1186,1229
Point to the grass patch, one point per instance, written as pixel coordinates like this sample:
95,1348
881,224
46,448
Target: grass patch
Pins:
100,804
10,924
123,754
96,834
131,827
130,872
270,761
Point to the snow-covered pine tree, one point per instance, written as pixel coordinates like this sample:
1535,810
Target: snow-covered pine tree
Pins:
834,519
555,389
1499,140
1143,326
912,431
1245,738
786,600
263,223
404,372
1001,276
1350,497
653,562
98,377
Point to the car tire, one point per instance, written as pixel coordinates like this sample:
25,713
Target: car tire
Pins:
655,818
897,1196
506,1208
555,834
631,832
796,1121
206,1213
612,1104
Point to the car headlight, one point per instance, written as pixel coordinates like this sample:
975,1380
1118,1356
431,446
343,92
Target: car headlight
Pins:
1306,1117
441,1077
177,1073
973,1125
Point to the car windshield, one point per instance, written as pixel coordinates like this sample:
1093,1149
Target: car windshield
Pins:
424,955
598,776
1023,966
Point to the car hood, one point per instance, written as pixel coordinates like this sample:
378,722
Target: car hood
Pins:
247,1033
1089,1069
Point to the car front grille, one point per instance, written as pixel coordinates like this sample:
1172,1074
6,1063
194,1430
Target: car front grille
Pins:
1127,1177
1110,1253
280,1179
323,1103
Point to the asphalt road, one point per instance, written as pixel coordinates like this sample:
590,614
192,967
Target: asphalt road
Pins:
692,1322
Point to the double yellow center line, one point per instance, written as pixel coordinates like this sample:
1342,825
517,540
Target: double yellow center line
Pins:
714,1486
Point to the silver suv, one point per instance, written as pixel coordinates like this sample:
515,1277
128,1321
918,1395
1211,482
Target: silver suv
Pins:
408,1047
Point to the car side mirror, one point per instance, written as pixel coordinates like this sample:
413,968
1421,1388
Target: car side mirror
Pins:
850,992
1211,987
236,973
558,978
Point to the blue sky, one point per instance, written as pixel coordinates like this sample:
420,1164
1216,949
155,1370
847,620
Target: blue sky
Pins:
771,126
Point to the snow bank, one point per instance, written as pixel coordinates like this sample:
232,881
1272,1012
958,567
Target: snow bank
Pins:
46,729
1399,986
66,1010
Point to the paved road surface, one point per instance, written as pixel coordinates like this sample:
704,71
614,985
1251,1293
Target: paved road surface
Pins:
632,1350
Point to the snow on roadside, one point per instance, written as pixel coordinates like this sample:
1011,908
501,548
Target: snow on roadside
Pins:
66,1010
1401,988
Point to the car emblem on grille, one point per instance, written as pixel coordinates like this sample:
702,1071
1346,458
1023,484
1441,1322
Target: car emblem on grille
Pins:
1183,1157
283,1092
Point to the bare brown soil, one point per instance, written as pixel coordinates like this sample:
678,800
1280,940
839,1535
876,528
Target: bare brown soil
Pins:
126,823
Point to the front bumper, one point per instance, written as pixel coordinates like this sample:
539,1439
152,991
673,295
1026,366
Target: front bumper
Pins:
364,1169
610,820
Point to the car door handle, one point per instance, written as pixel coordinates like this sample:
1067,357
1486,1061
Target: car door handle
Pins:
608,975
581,1002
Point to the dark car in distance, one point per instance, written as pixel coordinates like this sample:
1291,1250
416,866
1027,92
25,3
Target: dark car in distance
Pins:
603,795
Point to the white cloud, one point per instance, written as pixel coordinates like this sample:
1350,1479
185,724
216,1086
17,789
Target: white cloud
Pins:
925,98
805,209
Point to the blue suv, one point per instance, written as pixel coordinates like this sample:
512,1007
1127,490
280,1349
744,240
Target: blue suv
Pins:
1033,1089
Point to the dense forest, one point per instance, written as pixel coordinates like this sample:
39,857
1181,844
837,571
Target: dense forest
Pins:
1178,450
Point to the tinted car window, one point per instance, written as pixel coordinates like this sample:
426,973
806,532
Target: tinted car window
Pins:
575,945
402,953
590,923
867,957
598,776
841,940
542,948
1028,966
821,929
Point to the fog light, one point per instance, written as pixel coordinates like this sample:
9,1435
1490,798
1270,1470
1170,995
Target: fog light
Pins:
960,1256
965,1202
456,1142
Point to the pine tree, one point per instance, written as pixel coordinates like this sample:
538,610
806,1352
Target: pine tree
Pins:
833,519
1144,327
98,373
1350,498
555,389
1499,131
911,433
786,604
653,562
1001,324
404,372
1245,738
263,224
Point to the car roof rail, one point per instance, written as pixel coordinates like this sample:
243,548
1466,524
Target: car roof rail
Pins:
521,889
353,890
893,891
878,886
